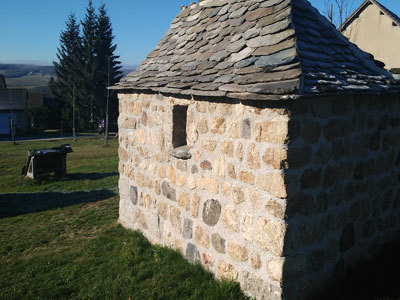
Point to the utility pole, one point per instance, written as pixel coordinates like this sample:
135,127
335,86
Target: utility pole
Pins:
12,129
73,112
331,13
11,119
108,98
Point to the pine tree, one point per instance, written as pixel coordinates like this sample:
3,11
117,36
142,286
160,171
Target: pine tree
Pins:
83,66
67,71
89,63
106,62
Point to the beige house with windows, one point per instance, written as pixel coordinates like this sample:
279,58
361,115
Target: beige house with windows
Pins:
376,30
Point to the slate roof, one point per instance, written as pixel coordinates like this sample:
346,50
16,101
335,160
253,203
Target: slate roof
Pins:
12,99
363,5
255,50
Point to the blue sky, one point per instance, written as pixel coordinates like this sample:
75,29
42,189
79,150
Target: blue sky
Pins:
30,30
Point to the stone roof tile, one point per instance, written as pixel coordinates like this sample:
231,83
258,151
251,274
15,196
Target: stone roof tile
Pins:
256,50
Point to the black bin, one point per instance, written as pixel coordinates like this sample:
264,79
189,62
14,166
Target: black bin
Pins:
46,161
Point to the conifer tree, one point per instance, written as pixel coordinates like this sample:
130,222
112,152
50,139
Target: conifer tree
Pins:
67,71
106,62
84,62
89,63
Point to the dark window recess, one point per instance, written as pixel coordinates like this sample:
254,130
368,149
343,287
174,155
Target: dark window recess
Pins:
179,125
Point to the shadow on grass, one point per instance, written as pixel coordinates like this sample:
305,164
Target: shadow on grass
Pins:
14,204
74,176
91,176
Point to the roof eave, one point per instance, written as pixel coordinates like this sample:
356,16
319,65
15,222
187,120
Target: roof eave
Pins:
245,96
352,16
209,94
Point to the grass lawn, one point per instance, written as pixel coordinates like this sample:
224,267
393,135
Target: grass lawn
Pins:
91,166
60,239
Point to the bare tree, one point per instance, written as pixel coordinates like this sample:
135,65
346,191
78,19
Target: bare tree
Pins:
337,11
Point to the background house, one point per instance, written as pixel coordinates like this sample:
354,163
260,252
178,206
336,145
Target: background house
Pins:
2,82
257,140
13,104
376,30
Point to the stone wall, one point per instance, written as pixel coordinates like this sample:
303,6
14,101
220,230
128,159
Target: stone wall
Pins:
278,196
343,186
225,205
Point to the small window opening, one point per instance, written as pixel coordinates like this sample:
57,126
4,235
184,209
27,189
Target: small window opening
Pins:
179,117
394,24
381,13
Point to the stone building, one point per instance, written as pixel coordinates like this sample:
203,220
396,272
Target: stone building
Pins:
258,141
375,29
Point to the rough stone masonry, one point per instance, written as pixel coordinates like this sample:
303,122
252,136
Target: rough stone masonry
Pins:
276,198
258,141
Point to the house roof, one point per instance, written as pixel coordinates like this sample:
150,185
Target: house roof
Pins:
386,11
12,99
2,82
255,50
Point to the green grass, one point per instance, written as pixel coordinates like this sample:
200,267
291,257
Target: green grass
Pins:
61,240
91,166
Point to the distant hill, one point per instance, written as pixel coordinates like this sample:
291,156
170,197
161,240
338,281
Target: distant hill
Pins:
127,69
25,75
20,70
29,81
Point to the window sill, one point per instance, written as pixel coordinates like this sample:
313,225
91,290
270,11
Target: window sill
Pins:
181,152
